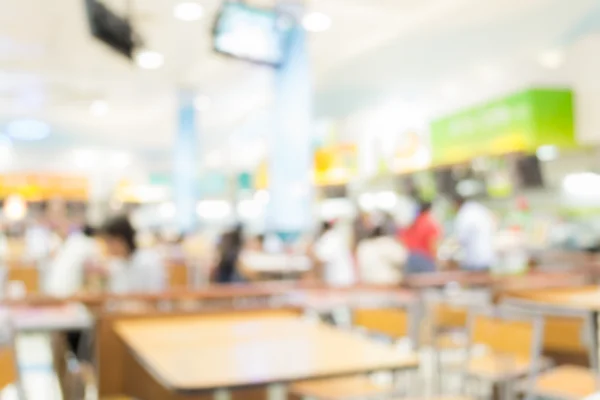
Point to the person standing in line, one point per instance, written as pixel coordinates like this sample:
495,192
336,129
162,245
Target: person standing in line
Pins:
381,258
361,228
421,239
334,257
229,250
474,228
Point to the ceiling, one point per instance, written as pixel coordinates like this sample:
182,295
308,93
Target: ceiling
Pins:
52,69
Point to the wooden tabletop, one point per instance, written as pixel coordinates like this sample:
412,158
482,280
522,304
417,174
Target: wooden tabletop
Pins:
584,297
204,353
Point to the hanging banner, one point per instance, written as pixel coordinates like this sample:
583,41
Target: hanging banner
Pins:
518,123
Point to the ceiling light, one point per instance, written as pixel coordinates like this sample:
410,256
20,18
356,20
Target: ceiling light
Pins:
99,108
316,22
202,102
547,153
551,59
28,129
188,11
148,59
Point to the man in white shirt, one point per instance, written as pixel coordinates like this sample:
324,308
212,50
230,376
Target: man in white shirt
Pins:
333,252
66,271
474,229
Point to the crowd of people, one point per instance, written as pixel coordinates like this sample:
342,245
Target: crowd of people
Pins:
379,251
375,250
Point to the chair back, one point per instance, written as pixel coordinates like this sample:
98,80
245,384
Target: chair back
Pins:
9,372
392,322
178,275
514,337
29,276
449,310
502,336
565,329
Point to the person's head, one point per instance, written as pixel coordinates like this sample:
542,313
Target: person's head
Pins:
377,232
256,243
458,201
119,236
326,226
424,206
88,230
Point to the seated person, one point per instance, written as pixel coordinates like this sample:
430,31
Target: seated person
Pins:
131,269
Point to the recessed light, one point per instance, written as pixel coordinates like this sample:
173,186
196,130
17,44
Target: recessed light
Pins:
316,22
28,129
551,59
188,11
99,108
149,59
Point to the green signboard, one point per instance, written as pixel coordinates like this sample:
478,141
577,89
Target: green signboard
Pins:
518,123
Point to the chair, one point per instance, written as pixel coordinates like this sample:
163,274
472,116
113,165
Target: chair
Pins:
391,322
564,327
513,344
9,371
178,275
29,276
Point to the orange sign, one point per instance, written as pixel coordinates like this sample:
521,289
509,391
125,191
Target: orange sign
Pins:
38,187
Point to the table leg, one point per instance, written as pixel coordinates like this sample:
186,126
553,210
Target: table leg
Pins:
277,392
594,343
222,394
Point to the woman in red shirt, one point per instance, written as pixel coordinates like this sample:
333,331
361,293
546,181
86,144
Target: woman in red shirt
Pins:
421,240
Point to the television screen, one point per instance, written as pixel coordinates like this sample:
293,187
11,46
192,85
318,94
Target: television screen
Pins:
250,33
529,172
111,29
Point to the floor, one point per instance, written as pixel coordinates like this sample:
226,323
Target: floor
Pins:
35,361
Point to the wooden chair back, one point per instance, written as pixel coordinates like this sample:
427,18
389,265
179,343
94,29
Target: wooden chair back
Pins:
178,275
28,275
392,322
9,372
503,336
513,338
565,330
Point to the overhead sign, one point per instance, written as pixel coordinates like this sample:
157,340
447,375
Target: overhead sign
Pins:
38,187
520,122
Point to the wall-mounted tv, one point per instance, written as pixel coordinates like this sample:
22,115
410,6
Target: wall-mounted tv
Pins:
110,28
250,33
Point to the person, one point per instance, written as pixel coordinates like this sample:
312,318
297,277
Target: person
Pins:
255,263
474,229
131,269
230,247
360,228
381,258
421,240
334,257
66,271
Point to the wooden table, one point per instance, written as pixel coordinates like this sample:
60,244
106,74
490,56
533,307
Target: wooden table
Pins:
191,355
